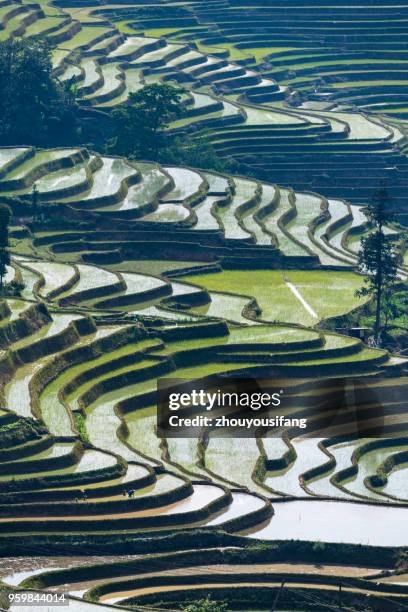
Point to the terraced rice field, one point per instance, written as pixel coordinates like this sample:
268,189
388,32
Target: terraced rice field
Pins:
93,331
264,87
144,271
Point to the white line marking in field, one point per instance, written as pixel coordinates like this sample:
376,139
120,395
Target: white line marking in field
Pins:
301,299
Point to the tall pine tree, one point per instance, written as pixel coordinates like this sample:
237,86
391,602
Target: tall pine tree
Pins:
5,215
378,258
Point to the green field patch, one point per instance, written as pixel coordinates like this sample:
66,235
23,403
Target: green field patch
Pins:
12,25
124,27
158,32
84,15
366,357
84,37
329,293
77,376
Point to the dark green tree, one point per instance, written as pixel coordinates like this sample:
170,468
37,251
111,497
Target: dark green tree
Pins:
34,203
379,256
5,215
138,128
35,108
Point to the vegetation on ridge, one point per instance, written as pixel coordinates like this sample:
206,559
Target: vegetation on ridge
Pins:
139,126
35,108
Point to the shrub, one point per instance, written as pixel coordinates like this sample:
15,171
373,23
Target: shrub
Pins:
206,605
81,426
